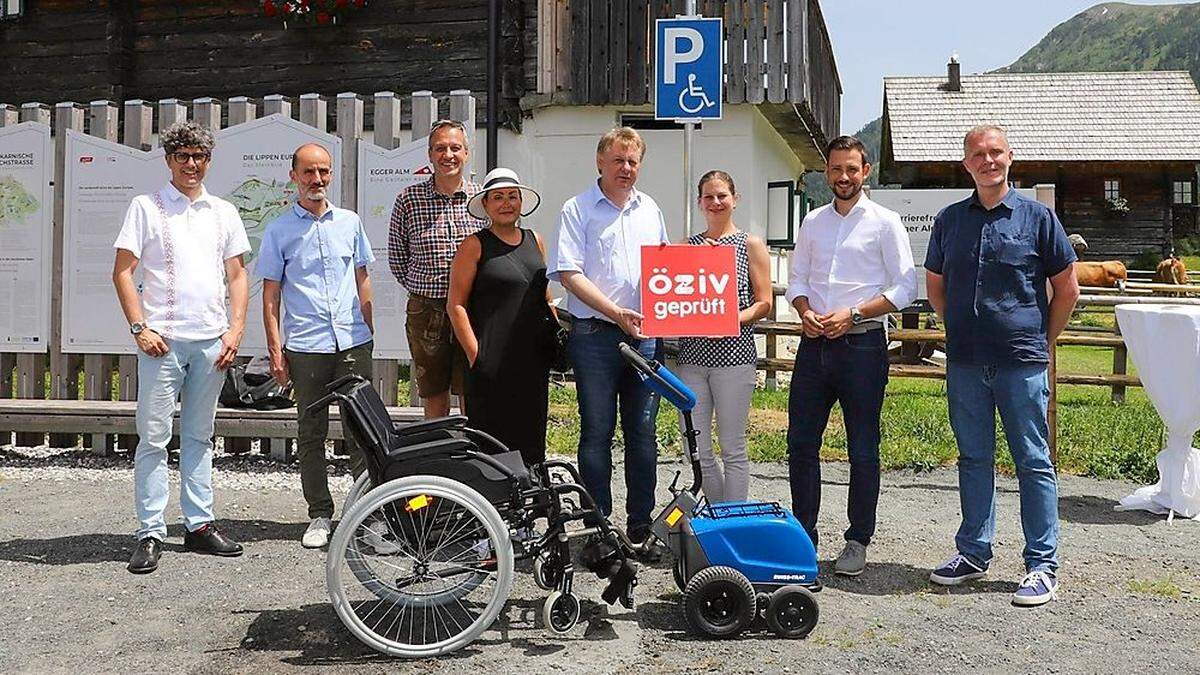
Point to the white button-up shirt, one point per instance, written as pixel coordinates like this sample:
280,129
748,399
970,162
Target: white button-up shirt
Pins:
604,242
840,262
181,247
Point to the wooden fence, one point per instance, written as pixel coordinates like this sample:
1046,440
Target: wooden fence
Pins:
95,377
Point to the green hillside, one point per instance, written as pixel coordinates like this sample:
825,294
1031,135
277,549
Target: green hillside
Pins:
1116,36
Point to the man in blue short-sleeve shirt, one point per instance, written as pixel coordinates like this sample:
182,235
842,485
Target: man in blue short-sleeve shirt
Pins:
313,260
989,260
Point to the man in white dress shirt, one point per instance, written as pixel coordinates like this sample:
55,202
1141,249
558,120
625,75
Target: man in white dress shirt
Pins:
852,265
188,246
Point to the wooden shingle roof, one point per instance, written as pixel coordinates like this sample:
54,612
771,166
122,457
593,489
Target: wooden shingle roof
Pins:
1067,117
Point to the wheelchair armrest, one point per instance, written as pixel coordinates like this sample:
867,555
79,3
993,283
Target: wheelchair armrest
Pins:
439,424
419,450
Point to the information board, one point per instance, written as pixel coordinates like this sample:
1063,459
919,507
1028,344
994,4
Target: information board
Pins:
26,218
382,175
249,168
917,209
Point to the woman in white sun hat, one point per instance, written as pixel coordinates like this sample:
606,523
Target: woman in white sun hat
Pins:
498,304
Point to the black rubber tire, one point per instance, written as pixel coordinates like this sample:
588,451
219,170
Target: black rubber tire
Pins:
677,575
719,602
546,571
561,611
792,612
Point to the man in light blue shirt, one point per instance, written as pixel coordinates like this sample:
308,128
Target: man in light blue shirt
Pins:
314,257
598,260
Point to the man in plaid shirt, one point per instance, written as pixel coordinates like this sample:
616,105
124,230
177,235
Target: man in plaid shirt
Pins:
428,223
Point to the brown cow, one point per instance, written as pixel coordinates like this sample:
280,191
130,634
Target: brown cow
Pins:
1171,271
1107,274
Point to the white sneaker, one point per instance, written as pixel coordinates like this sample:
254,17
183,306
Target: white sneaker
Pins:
317,534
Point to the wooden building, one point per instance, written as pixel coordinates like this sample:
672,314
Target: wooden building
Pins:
1122,149
564,71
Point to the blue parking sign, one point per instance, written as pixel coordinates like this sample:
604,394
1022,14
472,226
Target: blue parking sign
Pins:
688,69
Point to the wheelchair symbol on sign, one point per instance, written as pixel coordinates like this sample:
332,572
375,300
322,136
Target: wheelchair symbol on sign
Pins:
695,93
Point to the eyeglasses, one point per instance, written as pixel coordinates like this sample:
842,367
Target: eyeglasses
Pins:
183,157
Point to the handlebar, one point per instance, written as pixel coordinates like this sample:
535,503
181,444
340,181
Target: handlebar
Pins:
660,379
333,388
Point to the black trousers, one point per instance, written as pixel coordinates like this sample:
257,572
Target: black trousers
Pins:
853,371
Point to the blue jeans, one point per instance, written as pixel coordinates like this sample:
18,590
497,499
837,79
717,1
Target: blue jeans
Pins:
1020,392
188,370
604,383
852,370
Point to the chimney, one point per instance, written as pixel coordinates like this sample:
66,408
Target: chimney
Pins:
953,74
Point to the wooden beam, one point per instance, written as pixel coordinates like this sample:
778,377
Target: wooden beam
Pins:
314,111
277,104
638,55
241,110
776,92
735,55
797,57
618,51
424,113
387,119
755,31
599,57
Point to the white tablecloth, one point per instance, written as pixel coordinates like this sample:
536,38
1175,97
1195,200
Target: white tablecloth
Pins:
1164,344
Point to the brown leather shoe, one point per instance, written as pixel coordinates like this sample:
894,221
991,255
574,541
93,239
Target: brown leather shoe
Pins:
145,557
208,539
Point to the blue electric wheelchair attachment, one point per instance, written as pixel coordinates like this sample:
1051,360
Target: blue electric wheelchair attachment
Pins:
737,560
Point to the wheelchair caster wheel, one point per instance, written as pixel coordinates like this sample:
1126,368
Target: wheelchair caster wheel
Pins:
560,611
546,571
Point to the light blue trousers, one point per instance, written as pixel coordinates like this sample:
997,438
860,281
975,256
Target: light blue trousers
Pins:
187,371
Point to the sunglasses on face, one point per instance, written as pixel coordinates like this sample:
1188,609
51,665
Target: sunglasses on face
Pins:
183,157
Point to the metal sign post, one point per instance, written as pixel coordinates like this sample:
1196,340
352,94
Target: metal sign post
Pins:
688,73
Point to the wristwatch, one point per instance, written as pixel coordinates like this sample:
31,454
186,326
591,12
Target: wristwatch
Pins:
136,327
856,316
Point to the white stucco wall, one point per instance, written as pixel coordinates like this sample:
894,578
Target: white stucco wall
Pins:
556,151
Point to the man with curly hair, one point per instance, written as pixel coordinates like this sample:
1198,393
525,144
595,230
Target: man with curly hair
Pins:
188,245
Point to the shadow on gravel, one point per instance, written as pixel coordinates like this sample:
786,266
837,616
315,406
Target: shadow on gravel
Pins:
884,578
1092,510
79,549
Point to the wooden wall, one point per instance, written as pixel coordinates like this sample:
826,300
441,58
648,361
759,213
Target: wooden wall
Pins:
85,50
1147,228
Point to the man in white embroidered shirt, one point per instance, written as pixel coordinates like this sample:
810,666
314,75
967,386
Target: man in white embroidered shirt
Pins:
852,265
188,245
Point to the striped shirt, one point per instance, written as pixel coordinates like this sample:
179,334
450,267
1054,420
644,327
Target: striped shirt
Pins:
426,229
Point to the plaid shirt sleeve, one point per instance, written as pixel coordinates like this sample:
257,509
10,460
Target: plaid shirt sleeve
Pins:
398,240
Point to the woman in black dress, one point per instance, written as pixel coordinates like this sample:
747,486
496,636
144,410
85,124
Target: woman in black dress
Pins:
498,305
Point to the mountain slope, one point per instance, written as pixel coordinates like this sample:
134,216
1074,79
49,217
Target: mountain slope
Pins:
1115,36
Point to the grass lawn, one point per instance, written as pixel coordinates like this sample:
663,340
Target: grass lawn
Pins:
1096,437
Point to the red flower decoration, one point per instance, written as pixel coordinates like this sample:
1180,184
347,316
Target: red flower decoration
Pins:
322,18
269,8
360,3
341,3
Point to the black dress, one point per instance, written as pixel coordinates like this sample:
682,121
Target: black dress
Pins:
507,388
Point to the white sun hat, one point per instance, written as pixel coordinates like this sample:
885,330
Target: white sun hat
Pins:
501,178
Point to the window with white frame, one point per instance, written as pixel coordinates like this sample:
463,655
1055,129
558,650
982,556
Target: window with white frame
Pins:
11,9
1182,192
1112,190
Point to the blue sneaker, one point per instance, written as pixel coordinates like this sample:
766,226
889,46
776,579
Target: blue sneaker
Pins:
956,570
1037,588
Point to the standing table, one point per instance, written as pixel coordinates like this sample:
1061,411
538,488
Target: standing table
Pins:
1164,343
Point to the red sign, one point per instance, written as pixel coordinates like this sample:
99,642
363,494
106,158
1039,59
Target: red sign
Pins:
689,291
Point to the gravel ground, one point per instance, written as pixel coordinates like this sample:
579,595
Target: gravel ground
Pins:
1129,600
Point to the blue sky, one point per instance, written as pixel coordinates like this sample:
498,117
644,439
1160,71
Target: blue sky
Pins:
873,39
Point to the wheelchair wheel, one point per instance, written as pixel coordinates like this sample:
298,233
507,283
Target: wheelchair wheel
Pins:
420,566
360,488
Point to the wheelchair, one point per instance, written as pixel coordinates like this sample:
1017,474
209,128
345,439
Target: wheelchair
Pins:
423,559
